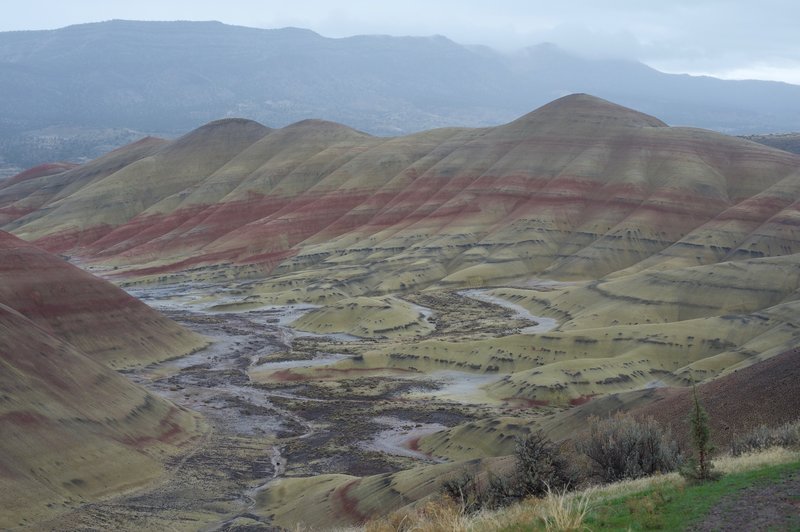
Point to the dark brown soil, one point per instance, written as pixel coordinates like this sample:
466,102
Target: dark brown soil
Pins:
766,393
764,507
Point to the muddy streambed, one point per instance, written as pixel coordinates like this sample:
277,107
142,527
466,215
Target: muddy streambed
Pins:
260,432
541,324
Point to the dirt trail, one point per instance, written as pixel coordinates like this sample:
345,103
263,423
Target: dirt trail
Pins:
774,506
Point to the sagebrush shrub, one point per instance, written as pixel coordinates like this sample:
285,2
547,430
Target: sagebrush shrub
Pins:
540,466
763,437
622,447
465,491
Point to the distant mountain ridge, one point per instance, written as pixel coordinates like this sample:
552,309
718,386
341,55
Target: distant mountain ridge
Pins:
81,90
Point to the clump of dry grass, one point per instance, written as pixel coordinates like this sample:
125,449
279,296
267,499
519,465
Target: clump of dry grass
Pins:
565,511
439,515
558,510
524,512
756,460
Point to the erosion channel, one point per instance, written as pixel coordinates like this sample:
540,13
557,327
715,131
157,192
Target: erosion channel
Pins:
357,422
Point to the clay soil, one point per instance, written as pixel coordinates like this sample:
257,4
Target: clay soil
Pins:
735,402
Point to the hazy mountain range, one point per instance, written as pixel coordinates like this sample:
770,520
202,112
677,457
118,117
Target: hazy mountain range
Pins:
78,91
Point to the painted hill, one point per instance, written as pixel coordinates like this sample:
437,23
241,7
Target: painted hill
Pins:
74,429
74,92
580,188
661,255
93,316
681,243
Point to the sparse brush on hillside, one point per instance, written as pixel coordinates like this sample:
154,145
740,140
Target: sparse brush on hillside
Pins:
614,449
466,491
622,447
763,437
540,466
654,502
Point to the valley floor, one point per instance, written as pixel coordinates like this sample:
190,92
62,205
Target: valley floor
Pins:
389,395
263,430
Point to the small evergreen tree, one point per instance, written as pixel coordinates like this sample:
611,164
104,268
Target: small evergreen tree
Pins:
699,467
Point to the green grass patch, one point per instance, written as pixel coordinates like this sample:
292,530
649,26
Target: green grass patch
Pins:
676,506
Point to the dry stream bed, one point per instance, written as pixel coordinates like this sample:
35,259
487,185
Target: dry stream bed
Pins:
360,425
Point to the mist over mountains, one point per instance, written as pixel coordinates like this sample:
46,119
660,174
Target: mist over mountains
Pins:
78,91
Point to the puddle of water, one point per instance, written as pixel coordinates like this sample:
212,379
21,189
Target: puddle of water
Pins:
287,364
456,386
285,314
424,311
401,437
172,297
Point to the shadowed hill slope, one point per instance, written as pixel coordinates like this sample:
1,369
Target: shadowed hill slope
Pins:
97,318
767,393
73,429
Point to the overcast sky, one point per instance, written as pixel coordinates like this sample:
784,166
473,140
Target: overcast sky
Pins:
733,39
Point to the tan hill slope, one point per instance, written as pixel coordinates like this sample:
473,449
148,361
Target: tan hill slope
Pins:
29,195
133,179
